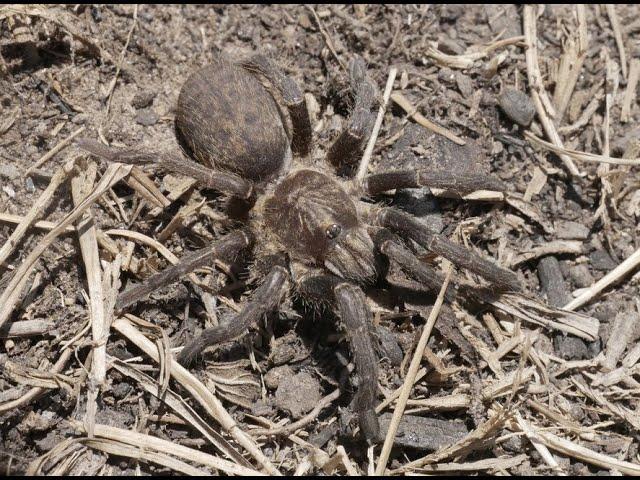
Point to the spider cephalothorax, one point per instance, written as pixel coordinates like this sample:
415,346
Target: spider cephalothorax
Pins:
247,128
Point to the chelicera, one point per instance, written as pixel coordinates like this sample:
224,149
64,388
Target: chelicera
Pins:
245,131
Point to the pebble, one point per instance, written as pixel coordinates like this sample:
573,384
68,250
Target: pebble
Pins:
581,276
9,171
601,260
146,117
142,99
567,230
517,106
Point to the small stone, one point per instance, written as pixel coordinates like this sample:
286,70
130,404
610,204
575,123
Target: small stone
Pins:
274,376
601,260
142,99
9,171
581,276
29,185
298,395
566,230
517,106
389,345
146,117
465,85
570,348
9,191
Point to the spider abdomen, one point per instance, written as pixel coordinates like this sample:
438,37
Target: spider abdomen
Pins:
227,119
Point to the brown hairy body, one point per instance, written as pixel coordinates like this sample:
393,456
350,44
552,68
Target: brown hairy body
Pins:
245,131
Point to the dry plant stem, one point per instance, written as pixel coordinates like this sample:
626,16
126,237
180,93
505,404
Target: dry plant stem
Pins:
42,224
574,450
327,37
13,291
36,210
617,32
411,376
540,447
51,153
81,186
366,157
199,392
538,94
583,156
568,84
630,92
406,105
148,442
613,276
26,328
35,392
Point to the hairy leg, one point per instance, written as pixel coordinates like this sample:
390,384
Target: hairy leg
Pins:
393,248
292,97
406,226
351,306
461,183
173,162
265,299
347,149
226,248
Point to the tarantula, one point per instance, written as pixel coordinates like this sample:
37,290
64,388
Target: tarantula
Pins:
247,127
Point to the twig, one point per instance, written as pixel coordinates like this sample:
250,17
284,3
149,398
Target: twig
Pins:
577,155
36,211
42,224
538,445
613,276
51,153
538,93
617,33
630,92
327,37
406,105
566,84
81,186
366,157
411,376
140,441
26,328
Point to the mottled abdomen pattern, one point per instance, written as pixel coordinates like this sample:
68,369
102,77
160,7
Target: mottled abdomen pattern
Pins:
226,119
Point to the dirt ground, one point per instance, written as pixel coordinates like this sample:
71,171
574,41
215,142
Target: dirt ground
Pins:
508,383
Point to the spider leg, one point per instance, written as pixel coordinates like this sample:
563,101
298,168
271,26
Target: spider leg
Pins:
356,317
407,226
393,248
226,249
173,162
460,182
292,97
265,299
346,151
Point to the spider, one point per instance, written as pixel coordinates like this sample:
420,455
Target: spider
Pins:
245,131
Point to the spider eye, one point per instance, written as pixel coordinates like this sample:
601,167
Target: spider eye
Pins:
333,231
